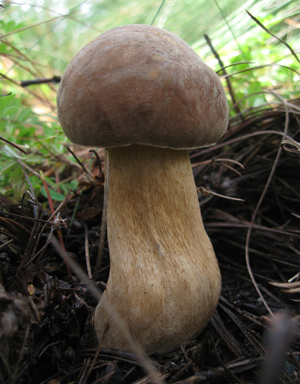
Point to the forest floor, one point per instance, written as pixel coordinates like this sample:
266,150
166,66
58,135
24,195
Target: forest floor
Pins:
249,192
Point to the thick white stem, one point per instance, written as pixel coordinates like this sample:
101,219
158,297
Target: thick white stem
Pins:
164,277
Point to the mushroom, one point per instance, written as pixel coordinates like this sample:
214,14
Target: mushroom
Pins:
145,95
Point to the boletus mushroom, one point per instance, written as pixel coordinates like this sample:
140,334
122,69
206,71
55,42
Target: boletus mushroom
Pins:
144,94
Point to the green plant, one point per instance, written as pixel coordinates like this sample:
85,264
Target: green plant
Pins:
38,40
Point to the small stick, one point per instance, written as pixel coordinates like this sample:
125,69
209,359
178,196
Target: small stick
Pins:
104,219
13,144
279,336
87,252
136,348
230,89
52,211
27,83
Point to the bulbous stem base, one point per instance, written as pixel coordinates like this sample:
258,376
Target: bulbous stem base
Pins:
164,277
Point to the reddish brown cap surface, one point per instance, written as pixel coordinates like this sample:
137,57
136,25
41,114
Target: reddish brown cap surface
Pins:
139,84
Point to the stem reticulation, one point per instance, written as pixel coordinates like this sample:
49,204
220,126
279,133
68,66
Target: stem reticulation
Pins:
164,277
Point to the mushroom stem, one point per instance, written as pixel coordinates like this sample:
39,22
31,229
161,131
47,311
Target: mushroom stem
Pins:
164,277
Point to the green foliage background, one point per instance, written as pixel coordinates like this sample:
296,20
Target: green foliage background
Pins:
39,38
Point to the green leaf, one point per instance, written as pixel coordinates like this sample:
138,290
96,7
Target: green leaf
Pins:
55,195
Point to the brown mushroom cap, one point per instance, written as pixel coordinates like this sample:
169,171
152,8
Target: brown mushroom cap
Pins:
140,84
